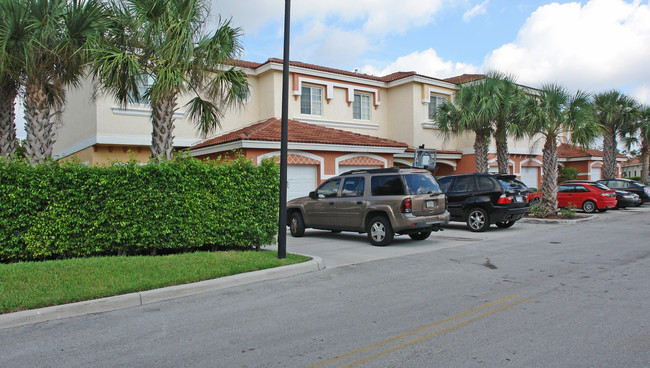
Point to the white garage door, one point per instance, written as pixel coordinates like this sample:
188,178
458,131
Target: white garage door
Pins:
530,175
596,173
301,179
344,168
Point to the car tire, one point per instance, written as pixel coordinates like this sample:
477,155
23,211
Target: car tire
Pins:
380,231
505,224
589,206
296,225
477,220
421,235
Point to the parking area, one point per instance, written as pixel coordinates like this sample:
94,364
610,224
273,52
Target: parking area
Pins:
342,249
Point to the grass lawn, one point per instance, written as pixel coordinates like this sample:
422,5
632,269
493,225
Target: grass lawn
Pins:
30,285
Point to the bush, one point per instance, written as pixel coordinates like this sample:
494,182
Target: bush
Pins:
63,210
567,173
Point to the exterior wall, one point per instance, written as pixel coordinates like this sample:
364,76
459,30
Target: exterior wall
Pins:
79,120
327,161
401,104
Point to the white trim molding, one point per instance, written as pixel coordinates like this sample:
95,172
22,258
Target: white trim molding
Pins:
329,88
337,124
140,110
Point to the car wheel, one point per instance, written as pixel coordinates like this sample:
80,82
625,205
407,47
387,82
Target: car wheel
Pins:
505,224
296,225
380,232
589,206
478,220
420,236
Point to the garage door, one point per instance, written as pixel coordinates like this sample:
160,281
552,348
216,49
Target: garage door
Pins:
596,173
530,176
344,168
301,179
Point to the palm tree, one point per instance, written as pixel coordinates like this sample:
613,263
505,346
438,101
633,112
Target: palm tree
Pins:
556,113
46,52
637,131
162,42
501,104
12,27
464,114
613,110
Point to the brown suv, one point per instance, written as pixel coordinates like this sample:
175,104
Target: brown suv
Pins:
380,202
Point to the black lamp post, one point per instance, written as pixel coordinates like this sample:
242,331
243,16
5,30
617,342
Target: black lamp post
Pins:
282,227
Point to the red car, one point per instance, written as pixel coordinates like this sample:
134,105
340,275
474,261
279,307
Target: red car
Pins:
588,195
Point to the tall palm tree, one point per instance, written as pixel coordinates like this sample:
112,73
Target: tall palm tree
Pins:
464,114
13,23
637,131
613,110
557,113
501,105
162,42
46,52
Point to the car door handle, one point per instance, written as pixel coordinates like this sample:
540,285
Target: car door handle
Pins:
359,202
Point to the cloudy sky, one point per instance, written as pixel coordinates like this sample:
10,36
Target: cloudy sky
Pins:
594,45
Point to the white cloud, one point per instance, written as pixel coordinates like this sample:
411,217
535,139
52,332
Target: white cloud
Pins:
476,10
602,45
333,45
641,94
426,62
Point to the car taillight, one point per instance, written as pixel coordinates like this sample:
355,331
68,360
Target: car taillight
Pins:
407,205
504,199
608,194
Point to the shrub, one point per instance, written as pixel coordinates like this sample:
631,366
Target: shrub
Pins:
62,210
567,173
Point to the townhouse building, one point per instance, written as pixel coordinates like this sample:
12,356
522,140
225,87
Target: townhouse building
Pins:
339,120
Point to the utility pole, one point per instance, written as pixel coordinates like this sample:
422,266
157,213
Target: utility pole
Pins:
282,227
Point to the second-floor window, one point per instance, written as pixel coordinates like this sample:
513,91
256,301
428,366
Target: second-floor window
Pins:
311,100
434,103
361,106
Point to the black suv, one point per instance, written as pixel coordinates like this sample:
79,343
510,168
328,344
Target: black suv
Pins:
481,199
380,202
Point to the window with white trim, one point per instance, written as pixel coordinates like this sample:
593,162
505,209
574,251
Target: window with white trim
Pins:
361,106
311,100
434,103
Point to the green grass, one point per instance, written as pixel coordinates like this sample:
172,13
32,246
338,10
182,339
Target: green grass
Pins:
30,285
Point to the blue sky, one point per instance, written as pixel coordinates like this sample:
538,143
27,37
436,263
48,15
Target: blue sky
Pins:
594,45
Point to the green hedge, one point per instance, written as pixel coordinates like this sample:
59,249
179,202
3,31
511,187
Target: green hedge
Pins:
64,210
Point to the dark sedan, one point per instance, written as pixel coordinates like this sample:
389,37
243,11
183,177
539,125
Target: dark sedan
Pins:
627,199
629,186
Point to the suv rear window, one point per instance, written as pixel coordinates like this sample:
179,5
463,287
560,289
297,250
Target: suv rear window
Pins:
421,184
385,185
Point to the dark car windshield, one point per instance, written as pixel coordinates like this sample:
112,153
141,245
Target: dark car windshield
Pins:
600,186
421,184
512,183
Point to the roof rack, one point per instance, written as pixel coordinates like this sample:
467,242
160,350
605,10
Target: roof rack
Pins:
371,171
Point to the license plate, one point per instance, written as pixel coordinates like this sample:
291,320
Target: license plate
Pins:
431,204
519,199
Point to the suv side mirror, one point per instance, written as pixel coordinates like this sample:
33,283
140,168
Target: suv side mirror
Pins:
313,195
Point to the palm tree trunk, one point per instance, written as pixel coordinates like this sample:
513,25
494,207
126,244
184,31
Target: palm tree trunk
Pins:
548,206
502,150
481,153
609,155
8,92
37,123
645,160
162,139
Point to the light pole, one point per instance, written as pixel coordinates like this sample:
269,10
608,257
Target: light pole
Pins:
282,227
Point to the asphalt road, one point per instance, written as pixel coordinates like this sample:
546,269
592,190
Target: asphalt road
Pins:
534,295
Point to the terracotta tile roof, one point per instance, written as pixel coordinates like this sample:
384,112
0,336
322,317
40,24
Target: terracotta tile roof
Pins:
387,78
299,132
464,78
565,150
632,161
245,64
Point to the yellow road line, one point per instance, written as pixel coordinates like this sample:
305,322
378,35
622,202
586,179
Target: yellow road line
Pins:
431,335
409,333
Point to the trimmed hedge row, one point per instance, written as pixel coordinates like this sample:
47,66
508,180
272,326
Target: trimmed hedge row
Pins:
64,210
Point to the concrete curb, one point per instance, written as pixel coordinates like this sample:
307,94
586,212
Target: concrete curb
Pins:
531,220
152,296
